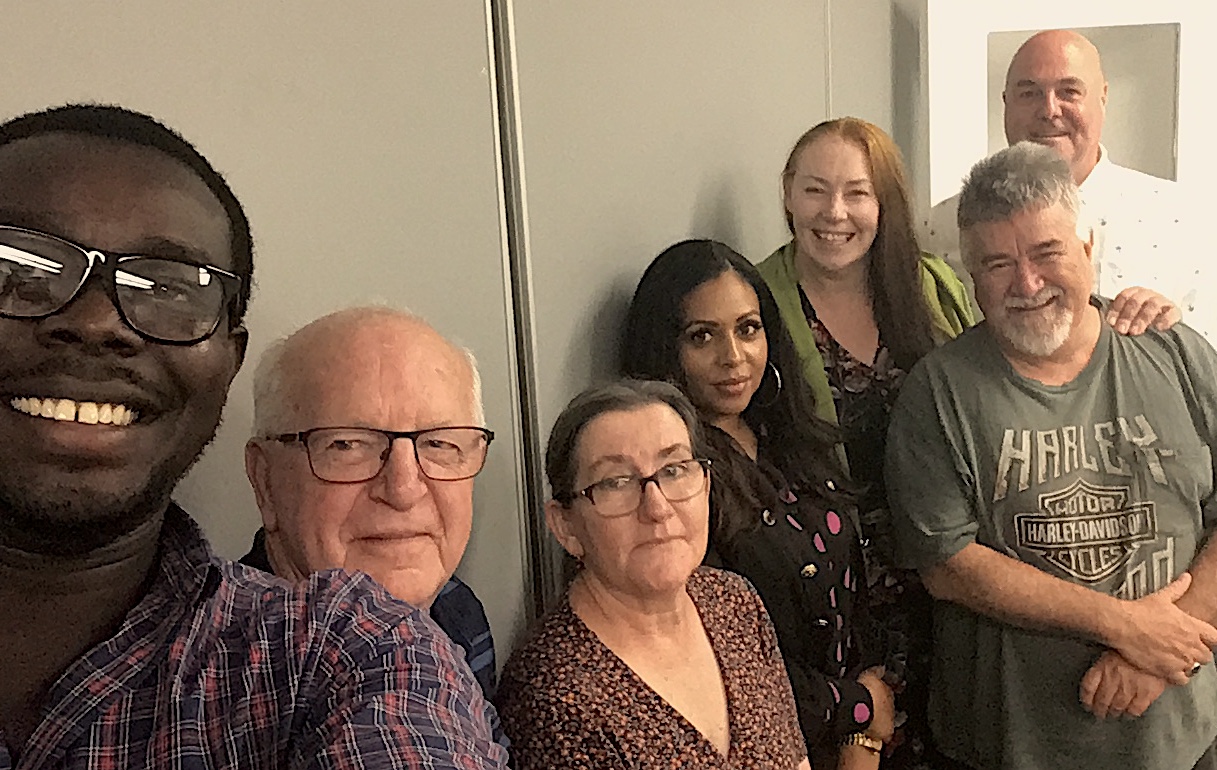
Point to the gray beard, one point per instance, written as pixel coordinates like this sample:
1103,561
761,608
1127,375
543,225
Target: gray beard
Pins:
1038,342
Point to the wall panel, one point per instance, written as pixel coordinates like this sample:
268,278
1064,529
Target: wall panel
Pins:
645,123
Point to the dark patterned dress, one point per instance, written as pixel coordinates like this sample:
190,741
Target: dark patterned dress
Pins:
805,561
568,702
898,604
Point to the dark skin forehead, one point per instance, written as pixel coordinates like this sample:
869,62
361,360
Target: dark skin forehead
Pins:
112,196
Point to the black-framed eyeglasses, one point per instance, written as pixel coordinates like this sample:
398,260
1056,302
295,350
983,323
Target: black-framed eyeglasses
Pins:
619,495
164,300
352,455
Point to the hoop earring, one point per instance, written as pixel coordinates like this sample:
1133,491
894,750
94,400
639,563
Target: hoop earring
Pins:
777,375
777,390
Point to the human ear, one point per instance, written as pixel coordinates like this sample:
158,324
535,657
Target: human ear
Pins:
257,470
557,519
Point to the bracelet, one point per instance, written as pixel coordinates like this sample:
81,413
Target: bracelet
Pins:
873,745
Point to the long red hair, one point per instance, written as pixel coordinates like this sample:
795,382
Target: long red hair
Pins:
894,275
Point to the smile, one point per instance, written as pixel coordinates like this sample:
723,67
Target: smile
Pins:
67,410
824,235
1031,305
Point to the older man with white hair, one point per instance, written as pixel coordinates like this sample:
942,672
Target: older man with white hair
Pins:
1052,480
368,431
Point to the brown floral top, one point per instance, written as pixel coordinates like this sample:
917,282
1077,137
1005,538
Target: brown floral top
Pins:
568,702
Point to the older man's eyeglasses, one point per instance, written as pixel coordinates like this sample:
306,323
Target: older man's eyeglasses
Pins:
620,495
352,455
164,300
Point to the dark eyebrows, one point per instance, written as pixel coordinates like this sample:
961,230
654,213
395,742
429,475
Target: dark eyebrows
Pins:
664,453
152,246
160,246
715,324
676,449
28,220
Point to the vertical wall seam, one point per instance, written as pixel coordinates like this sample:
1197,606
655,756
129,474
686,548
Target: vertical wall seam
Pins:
541,584
828,109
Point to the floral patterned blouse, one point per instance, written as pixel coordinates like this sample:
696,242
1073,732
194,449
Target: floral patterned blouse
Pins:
568,702
899,605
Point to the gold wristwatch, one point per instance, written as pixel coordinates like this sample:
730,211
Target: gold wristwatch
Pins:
873,745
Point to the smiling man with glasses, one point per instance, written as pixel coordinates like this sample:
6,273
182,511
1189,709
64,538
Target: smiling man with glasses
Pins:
368,432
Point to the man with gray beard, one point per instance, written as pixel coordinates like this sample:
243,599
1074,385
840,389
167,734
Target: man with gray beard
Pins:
1052,480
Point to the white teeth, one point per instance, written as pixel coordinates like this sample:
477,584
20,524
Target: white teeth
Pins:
833,237
67,410
87,413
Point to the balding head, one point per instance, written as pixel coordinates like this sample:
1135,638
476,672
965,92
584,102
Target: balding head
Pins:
332,348
1056,95
378,369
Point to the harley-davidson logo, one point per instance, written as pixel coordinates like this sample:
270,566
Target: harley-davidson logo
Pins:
1087,530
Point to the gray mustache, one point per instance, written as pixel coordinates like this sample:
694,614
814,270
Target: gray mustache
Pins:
1039,298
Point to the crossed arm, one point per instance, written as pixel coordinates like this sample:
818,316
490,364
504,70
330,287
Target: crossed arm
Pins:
1153,641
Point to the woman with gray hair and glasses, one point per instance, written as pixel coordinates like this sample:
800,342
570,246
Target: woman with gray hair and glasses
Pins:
650,660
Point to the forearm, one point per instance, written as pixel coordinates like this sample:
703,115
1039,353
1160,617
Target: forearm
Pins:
1005,589
1200,601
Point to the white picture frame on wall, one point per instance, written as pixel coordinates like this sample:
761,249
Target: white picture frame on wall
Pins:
957,74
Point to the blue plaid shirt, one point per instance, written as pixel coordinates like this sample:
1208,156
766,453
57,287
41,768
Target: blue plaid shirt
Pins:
456,610
221,666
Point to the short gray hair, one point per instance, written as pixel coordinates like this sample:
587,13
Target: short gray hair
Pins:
1022,176
272,374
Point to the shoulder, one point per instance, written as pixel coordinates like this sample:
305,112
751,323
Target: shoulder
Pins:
557,648
966,354
1119,193
334,624
459,613
1116,174
721,591
778,268
549,681
1182,345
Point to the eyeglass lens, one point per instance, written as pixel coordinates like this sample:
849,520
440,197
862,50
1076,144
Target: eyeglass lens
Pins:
622,494
350,454
162,298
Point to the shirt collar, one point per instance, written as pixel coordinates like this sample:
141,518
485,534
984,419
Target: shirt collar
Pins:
187,564
1101,169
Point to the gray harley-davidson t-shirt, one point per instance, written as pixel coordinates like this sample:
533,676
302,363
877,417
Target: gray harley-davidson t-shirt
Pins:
1104,482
